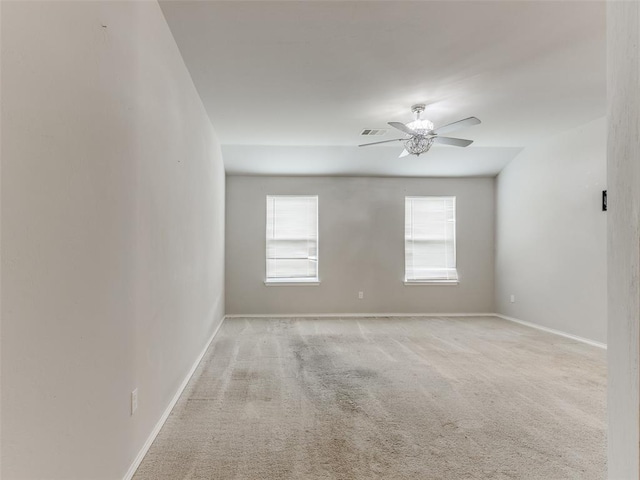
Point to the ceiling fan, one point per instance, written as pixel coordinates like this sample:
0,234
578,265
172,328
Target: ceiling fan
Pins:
420,134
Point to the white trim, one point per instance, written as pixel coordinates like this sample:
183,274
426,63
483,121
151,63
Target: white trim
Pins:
417,283
154,433
288,282
358,315
554,331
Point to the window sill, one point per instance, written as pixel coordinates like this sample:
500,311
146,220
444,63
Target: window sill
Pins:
290,282
417,283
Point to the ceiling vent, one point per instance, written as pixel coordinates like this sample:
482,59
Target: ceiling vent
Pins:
371,132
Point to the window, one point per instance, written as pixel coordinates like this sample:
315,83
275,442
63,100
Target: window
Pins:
430,240
292,239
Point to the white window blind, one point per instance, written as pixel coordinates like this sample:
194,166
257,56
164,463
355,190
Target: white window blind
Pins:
430,239
292,238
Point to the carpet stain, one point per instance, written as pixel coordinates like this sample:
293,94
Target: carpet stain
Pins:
387,398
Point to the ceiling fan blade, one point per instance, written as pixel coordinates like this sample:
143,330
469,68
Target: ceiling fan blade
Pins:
403,128
403,154
450,127
383,141
456,142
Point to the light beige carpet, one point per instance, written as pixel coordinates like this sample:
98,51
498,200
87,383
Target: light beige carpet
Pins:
387,398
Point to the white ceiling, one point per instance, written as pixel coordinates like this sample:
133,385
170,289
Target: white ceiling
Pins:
315,73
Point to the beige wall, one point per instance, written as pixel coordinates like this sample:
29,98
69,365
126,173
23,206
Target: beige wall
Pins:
113,233
361,229
623,170
551,238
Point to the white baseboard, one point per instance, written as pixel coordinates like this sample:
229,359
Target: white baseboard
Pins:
154,433
554,331
359,315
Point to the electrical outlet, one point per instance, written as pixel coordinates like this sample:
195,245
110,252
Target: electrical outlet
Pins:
513,298
134,401
360,295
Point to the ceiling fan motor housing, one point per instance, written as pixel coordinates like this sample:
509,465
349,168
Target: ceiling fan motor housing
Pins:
420,125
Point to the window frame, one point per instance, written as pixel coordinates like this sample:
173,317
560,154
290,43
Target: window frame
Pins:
440,282
292,281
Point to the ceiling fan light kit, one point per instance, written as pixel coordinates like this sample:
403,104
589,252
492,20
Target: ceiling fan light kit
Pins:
420,134
418,144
